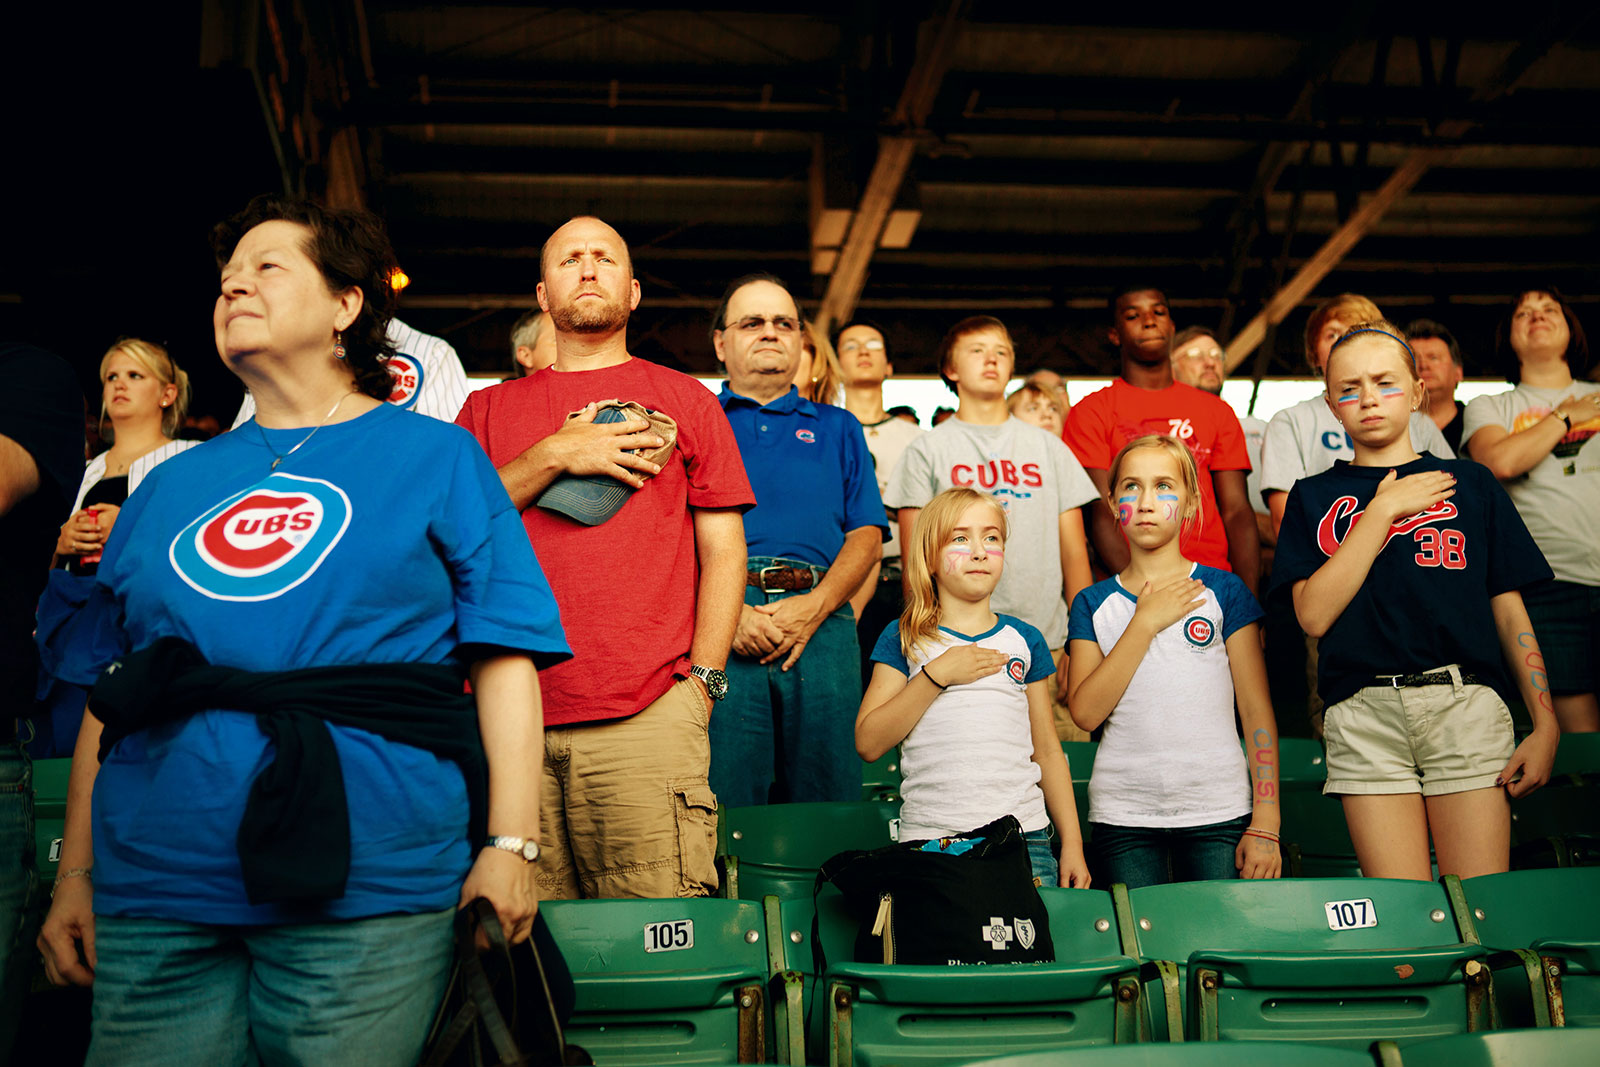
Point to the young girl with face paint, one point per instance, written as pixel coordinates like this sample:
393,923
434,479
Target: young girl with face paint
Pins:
1407,568
965,692
1159,654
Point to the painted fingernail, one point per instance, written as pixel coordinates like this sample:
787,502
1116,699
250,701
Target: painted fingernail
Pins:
1499,781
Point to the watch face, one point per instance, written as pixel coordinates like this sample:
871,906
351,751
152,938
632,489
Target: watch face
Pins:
716,684
530,850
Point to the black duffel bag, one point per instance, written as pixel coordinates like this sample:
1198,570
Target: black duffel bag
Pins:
957,900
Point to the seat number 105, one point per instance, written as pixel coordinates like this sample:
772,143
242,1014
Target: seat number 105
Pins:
1350,914
669,936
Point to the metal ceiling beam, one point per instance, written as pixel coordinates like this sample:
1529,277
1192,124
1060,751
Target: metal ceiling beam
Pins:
1398,184
895,152
1581,130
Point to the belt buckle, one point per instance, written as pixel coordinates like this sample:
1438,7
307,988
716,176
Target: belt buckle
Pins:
1395,680
761,576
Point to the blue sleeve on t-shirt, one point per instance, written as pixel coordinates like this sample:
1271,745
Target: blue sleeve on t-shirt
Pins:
1080,619
501,596
887,650
1239,607
1040,663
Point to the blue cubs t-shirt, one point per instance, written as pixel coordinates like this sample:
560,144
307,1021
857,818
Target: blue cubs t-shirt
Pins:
1425,602
387,538
1169,755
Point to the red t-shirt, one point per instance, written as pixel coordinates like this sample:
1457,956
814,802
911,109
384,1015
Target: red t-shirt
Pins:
627,587
1104,421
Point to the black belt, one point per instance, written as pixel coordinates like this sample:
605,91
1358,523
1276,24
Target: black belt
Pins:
1408,681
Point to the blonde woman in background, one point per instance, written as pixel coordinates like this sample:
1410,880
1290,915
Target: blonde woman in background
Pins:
818,377
143,397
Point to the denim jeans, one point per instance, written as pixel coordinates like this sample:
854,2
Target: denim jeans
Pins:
357,992
1142,855
1045,867
799,723
19,896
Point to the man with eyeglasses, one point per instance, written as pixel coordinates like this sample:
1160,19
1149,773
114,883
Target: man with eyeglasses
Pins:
1198,360
864,365
649,594
794,684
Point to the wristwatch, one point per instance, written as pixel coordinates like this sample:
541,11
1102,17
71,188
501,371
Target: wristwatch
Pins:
526,847
716,681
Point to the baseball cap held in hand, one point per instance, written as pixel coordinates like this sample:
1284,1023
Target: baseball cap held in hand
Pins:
594,498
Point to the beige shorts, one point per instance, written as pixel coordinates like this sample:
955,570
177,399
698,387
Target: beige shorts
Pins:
625,809
1430,739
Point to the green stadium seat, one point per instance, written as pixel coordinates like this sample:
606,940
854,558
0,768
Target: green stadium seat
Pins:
1501,1048
1080,761
665,981
874,1015
778,847
880,779
1559,825
1316,840
1220,1054
1553,913
1301,760
1260,960
49,812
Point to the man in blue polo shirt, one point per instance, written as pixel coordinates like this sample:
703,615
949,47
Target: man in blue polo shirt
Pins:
794,684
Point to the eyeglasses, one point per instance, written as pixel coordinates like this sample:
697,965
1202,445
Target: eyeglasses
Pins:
870,346
1201,353
784,324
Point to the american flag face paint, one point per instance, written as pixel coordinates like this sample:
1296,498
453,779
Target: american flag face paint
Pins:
1391,390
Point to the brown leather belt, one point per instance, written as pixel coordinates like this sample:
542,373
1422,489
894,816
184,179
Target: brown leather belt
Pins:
781,579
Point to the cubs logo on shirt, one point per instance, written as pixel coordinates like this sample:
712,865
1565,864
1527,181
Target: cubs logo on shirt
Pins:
1017,669
264,541
807,436
406,370
1199,631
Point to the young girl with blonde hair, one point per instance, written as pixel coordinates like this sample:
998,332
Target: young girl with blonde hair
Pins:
1159,654
1407,567
965,692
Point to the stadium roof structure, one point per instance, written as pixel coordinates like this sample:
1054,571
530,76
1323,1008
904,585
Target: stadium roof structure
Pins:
919,161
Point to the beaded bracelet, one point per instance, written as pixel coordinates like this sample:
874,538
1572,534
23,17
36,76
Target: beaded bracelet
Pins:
74,872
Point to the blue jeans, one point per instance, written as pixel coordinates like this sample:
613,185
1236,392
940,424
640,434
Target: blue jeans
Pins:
19,882
357,992
1142,855
1045,867
799,723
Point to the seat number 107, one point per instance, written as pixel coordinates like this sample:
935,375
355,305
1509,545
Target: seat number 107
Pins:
669,936
1350,914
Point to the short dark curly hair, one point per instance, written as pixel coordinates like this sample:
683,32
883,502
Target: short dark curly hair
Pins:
350,248
1578,356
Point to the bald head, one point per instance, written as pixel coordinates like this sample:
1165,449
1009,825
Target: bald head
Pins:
584,233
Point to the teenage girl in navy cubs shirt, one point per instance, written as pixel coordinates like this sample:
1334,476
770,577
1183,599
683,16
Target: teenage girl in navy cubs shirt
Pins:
1407,568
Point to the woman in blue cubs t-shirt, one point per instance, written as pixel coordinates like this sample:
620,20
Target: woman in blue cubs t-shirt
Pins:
336,533
1407,569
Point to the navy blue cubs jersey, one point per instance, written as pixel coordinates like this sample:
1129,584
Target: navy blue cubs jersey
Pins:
1425,602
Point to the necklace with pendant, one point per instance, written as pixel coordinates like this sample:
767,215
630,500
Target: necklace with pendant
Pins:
285,455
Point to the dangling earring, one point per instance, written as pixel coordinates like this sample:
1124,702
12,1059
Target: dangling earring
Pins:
338,344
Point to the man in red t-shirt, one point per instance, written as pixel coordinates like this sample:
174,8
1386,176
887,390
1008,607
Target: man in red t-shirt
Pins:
649,597
1144,400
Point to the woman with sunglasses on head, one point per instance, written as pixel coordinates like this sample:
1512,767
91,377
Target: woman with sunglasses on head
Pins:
281,794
